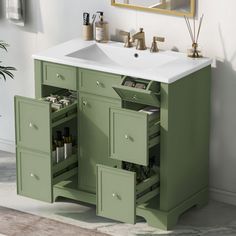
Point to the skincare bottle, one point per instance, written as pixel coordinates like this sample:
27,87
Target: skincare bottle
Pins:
60,147
67,143
101,29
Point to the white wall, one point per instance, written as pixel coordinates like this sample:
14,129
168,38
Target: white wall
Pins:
55,21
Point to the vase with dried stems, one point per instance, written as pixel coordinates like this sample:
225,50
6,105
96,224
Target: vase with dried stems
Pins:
5,71
194,51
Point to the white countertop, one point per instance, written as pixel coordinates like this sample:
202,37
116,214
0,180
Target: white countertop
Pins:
166,73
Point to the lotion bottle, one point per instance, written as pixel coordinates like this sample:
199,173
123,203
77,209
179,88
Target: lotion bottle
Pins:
101,29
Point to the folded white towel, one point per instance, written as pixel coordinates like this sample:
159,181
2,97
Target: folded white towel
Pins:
15,11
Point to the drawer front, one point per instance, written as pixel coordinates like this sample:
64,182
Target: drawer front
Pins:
34,175
129,136
32,119
98,83
60,75
138,95
116,194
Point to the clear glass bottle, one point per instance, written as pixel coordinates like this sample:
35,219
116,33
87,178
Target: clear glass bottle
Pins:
101,29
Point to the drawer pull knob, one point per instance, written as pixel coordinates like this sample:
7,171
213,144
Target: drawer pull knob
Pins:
85,103
31,125
135,97
32,175
115,195
98,83
58,76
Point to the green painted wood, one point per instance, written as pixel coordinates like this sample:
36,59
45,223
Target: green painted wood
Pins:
34,175
138,95
38,76
69,189
147,183
147,196
64,111
185,120
61,76
116,194
93,138
98,83
166,220
64,120
33,124
129,136
64,164
66,175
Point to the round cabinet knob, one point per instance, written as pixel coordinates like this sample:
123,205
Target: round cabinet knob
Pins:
58,76
32,175
126,136
135,97
31,125
85,103
98,83
115,195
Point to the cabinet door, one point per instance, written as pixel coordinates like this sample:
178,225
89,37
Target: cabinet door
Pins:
94,138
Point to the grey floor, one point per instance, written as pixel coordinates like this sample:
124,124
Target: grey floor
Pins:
216,219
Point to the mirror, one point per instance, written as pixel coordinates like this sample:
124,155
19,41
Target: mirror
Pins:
173,7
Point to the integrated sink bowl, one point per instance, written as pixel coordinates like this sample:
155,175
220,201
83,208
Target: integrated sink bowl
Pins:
115,54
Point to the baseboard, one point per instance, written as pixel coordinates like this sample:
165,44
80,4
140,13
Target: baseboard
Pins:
7,145
223,196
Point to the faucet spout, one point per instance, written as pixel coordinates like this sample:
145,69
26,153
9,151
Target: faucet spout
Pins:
140,37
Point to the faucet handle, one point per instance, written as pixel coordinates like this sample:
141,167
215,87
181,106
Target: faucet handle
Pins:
128,41
156,39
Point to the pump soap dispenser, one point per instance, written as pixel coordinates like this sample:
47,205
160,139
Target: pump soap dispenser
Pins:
101,29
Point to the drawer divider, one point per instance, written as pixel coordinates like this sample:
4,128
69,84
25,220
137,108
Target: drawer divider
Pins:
147,183
148,196
65,175
68,118
64,164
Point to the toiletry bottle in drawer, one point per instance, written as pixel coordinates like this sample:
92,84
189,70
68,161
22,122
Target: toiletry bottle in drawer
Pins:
101,29
60,147
67,143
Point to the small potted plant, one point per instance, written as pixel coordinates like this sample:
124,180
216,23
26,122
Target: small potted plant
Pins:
5,71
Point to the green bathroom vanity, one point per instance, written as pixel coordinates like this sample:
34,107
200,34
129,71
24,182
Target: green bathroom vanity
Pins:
114,139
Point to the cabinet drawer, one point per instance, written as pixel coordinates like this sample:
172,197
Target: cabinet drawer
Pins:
34,120
118,195
60,76
98,83
149,95
34,175
132,134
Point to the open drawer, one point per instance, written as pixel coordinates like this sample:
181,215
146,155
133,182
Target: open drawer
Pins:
118,195
132,134
34,122
36,175
139,91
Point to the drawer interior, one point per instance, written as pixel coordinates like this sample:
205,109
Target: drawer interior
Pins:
139,90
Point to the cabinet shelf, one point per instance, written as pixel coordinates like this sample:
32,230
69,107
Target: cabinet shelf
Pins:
64,164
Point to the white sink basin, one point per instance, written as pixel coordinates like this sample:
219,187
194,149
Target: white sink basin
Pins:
112,57
115,54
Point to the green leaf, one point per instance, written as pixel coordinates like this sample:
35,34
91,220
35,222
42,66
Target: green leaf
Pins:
2,75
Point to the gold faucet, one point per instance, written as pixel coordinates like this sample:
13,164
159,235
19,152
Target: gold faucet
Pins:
140,37
128,43
154,47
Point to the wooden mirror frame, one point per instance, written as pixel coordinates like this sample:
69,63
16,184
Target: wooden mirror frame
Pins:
162,11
